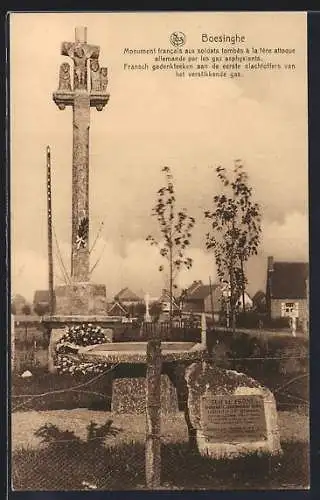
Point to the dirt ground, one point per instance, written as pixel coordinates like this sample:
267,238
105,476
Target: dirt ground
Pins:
293,426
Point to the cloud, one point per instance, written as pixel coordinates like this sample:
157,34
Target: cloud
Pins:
287,240
136,268
152,120
29,272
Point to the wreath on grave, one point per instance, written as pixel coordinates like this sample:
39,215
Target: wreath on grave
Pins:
67,347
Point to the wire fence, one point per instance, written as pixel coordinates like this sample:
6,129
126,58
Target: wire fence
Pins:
116,461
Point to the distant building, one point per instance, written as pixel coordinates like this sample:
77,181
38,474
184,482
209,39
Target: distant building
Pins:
197,298
164,300
127,297
117,309
248,302
41,302
259,302
201,298
18,302
287,289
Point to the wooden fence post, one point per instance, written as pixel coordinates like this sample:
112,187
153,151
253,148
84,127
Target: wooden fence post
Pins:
153,414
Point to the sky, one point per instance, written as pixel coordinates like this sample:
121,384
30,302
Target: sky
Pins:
155,119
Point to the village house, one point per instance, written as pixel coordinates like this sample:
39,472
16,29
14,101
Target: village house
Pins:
117,309
203,298
18,304
41,302
125,303
197,299
287,289
127,297
259,302
164,300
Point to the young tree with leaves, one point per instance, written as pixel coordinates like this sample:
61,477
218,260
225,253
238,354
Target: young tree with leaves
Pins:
176,229
235,222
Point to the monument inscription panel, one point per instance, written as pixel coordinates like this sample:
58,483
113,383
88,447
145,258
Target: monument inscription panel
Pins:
233,418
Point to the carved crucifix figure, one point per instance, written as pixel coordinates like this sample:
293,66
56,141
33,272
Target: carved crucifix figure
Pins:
80,52
81,100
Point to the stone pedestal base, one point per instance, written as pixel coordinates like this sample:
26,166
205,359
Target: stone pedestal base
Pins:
129,395
81,298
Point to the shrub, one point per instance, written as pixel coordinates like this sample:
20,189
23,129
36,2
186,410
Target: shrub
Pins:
54,437
278,322
251,319
274,360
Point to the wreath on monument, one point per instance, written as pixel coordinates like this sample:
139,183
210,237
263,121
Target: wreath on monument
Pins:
67,347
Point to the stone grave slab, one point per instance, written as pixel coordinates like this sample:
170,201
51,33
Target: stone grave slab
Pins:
129,395
232,413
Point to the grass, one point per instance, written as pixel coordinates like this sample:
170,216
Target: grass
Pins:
118,462
122,468
293,426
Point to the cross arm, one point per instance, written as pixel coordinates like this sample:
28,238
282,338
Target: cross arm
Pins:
90,51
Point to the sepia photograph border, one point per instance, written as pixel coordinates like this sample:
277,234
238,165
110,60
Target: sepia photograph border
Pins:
314,245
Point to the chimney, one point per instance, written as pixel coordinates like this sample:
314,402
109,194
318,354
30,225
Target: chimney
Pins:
269,286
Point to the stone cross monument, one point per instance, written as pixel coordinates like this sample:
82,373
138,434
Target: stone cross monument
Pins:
78,296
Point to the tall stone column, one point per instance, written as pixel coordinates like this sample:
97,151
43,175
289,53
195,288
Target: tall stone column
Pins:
80,192
80,296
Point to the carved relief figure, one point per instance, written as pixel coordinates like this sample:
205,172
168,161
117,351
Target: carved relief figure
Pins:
64,77
104,79
95,75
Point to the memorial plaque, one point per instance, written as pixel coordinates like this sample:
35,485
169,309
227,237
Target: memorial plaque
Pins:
233,418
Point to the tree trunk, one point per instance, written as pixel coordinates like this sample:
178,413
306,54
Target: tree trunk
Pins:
171,290
243,288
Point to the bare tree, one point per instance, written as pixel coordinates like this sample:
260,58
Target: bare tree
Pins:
235,222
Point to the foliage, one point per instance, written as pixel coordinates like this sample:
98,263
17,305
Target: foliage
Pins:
138,310
155,310
41,309
100,432
26,309
235,230
176,229
51,434
273,360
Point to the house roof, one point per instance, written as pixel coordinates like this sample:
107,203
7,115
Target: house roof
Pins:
41,296
117,305
127,294
259,298
195,285
165,298
201,292
288,280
